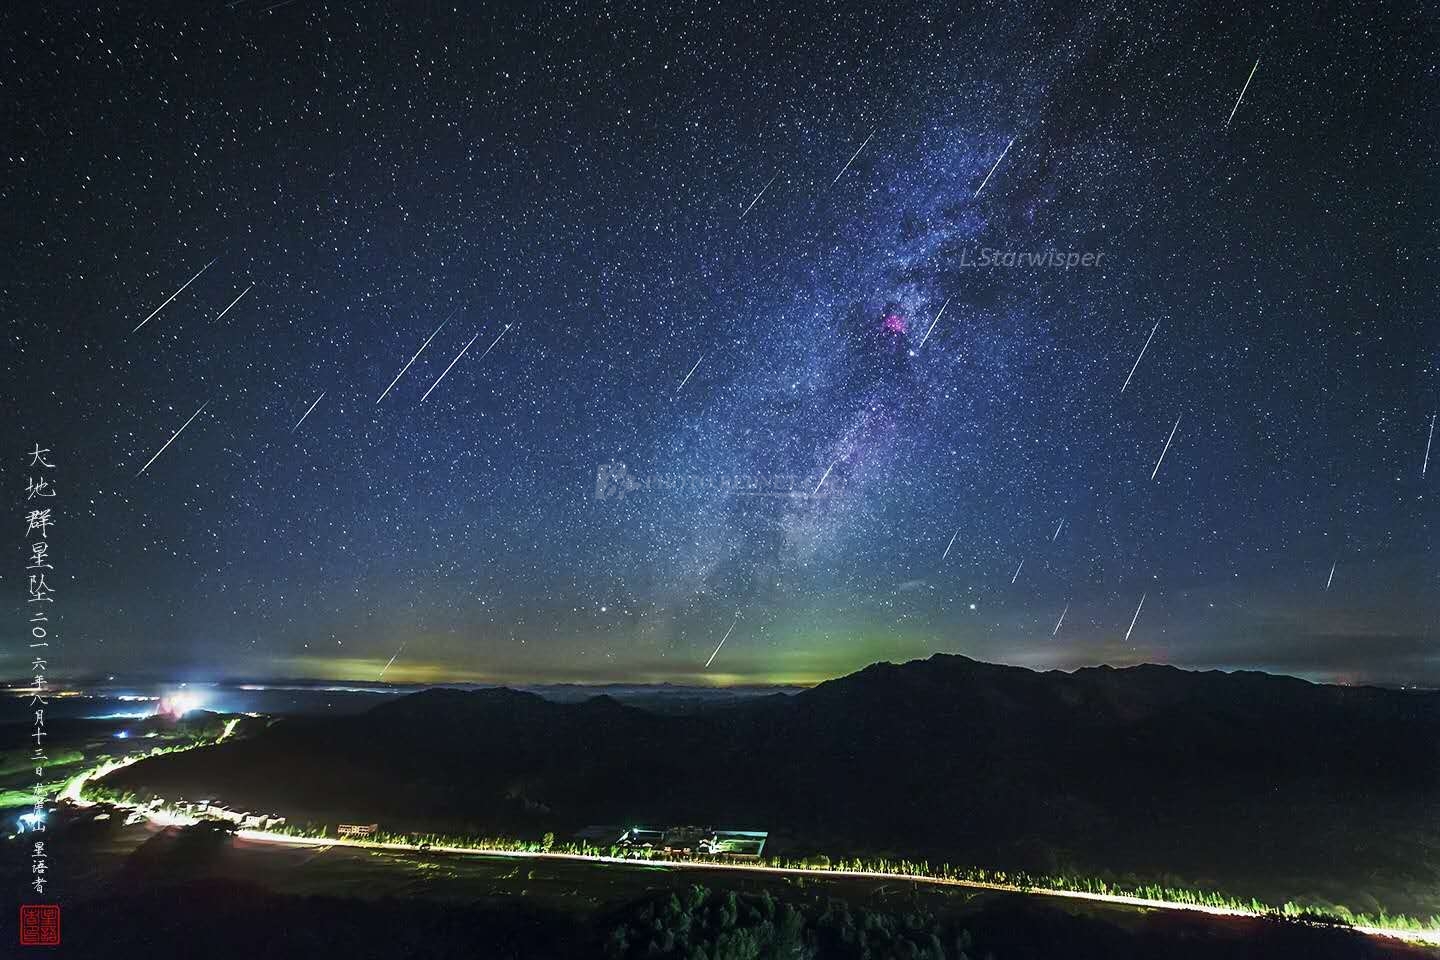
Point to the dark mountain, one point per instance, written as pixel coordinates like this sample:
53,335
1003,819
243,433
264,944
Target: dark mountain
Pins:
1242,781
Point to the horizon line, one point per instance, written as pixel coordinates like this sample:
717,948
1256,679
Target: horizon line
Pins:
686,681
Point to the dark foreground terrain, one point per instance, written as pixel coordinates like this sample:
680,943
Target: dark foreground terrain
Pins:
148,894
218,919
1253,784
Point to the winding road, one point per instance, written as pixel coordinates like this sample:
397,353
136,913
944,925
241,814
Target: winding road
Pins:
74,789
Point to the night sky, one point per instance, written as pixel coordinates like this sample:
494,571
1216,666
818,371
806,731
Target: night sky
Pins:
618,193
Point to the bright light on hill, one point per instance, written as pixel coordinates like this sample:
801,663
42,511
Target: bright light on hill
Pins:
179,704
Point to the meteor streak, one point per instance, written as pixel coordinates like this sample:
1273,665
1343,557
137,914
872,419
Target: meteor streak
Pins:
235,301
1061,620
950,544
1134,618
1142,354
992,169
1242,92
1330,579
414,358
452,363
1017,573
722,642
1058,528
392,660
1166,450
1424,466
173,436
173,296
851,160
690,374
935,321
307,412
823,478
496,340
758,196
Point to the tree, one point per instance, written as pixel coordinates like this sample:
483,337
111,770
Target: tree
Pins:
695,897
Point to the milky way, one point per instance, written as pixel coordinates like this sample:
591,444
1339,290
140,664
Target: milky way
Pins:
609,197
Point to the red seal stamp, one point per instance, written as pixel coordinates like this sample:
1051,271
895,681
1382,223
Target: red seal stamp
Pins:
39,925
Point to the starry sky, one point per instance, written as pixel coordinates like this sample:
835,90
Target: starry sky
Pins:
734,321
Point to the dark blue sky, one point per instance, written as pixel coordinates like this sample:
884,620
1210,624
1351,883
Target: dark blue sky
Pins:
587,176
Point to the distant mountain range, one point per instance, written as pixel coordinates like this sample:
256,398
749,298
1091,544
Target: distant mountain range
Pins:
1252,783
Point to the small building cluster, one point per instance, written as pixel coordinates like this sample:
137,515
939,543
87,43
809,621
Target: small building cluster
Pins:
207,809
691,841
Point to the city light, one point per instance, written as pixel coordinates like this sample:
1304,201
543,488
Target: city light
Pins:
179,704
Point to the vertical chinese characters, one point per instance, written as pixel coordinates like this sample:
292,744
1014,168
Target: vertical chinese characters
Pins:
39,512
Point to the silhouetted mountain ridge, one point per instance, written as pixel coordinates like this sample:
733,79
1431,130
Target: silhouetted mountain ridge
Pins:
1148,768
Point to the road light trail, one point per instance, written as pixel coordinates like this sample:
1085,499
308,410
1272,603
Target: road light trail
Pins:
414,358
722,641
172,437
994,167
1166,450
935,321
1134,618
1242,92
851,160
1140,357
73,793
235,301
452,363
173,296
1141,903
307,412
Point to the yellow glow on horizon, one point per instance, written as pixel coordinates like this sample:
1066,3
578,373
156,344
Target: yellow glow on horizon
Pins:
366,670
809,655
